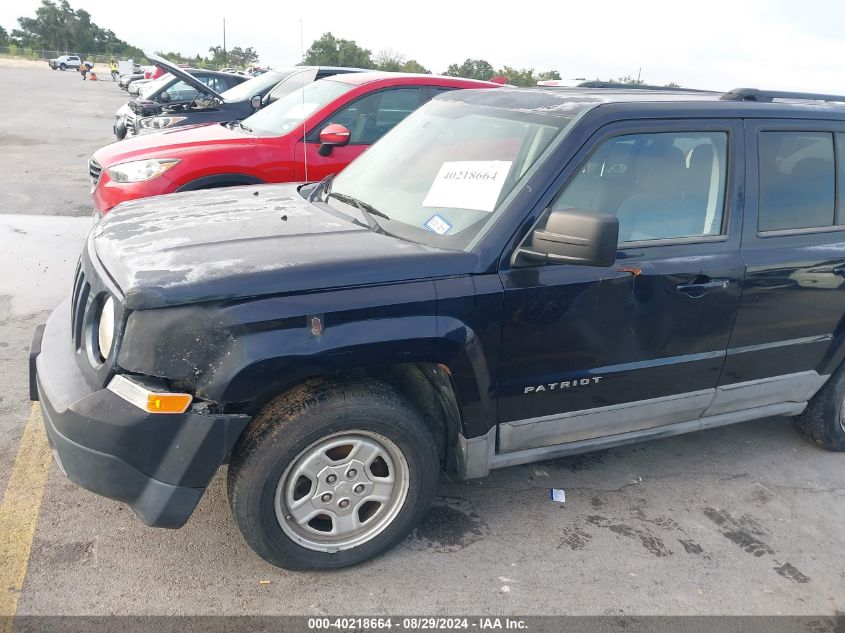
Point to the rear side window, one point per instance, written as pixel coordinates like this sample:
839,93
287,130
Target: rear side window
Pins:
661,186
797,181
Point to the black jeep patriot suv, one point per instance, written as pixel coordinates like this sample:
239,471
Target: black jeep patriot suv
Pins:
508,276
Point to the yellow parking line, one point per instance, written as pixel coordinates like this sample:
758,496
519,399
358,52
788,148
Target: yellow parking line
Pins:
19,512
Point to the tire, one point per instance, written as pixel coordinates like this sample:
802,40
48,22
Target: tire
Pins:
62,66
283,465
823,421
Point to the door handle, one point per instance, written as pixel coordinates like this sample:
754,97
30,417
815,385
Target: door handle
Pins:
701,288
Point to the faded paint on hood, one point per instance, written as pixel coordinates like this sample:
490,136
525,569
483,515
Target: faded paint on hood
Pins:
249,241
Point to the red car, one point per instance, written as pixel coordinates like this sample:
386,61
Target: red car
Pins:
310,133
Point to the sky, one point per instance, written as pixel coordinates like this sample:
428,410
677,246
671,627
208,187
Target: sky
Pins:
716,44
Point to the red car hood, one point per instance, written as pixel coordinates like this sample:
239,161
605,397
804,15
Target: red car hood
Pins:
171,143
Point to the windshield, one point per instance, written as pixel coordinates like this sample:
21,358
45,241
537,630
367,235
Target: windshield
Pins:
254,86
445,173
153,86
292,109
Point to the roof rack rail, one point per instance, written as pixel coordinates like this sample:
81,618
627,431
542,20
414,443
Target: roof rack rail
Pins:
767,96
624,86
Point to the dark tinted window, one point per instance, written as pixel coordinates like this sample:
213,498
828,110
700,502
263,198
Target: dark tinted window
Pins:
797,180
660,186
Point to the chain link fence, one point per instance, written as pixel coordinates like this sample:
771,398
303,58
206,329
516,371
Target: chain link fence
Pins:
22,52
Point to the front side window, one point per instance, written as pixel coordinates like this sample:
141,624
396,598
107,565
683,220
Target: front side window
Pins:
371,117
661,186
181,91
797,181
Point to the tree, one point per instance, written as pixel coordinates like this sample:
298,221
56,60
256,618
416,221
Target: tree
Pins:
631,81
413,66
672,84
4,37
392,61
389,60
237,57
57,27
331,51
548,75
524,77
471,69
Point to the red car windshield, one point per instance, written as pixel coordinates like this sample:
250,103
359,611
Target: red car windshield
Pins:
291,110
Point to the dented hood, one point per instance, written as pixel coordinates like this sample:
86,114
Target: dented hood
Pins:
240,242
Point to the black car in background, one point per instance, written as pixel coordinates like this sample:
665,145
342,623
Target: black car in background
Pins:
236,103
185,87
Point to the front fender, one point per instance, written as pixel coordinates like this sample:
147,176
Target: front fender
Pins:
242,354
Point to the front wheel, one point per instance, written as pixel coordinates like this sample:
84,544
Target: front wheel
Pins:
823,421
62,66
332,474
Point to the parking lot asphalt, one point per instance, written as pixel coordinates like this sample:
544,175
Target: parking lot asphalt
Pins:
745,519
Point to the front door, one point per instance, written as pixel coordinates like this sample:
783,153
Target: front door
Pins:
590,352
367,118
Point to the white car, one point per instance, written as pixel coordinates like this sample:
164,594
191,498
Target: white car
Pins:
64,62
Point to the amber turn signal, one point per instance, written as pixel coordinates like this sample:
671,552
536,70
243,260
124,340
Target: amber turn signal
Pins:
168,402
151,400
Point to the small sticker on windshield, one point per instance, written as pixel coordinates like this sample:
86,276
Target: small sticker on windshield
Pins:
438,225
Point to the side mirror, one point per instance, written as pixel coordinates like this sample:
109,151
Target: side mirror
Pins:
255,102
573,236
333,135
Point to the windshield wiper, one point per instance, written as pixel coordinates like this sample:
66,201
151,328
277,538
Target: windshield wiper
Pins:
366,209
244,127
324,185
314,198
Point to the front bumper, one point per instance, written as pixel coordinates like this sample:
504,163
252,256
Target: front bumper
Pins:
159,464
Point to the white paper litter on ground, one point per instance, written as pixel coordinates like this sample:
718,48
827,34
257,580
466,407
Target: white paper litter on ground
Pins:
556,494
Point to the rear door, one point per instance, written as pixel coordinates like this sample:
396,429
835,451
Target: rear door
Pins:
368,118
790,320
590,352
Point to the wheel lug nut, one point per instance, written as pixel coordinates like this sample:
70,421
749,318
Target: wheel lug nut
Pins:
326,497
331,479
344,503
359,489
351,473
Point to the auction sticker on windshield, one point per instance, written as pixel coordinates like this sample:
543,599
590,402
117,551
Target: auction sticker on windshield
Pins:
468,184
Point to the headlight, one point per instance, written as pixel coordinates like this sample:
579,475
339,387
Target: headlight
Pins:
160,122
140,170
105,330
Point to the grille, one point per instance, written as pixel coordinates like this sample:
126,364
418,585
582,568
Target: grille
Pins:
78,305
94,170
